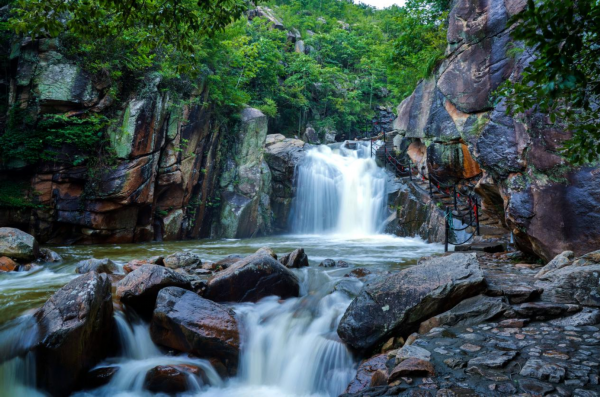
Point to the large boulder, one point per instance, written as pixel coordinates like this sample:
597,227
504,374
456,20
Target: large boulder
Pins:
76,328
561,260
251,279
398,304
171,379
95,265
18,245
186,322
140,288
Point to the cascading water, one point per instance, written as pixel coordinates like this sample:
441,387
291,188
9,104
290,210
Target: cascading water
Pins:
340,191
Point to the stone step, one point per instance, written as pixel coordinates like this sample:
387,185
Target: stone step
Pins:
481,247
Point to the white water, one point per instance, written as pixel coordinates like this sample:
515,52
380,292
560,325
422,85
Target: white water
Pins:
289,348
340,191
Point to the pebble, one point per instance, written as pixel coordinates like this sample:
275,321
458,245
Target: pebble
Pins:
470,348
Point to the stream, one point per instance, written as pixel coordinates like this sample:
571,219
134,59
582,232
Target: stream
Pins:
289,348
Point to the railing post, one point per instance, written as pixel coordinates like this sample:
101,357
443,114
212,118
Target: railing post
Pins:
455,204
447,230
430,188
477,215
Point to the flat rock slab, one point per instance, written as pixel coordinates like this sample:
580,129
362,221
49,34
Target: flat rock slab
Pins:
397,305
495,359
412,367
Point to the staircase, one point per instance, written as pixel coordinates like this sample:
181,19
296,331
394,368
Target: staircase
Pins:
458,201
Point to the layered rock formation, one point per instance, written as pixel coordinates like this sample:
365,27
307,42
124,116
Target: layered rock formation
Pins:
452,128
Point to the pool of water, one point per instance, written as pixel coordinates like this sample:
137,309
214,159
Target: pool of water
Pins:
22,291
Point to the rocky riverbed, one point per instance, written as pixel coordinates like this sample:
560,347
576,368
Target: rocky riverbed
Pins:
460,324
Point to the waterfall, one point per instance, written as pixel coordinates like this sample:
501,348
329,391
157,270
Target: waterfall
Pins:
339,191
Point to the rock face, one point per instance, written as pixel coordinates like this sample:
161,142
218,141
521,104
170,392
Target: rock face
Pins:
451,127
282,155
76,332
186,322
140,288
18,245
251,279
246,181
397,305
96,265
165,163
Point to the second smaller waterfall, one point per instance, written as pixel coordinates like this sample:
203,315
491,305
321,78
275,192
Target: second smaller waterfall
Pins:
340,191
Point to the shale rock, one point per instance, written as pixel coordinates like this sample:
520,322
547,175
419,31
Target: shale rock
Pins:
471,311
140,288
295,259
398,304
572,285
559,261
182,259
18,245
252,279
76,332
412,367
96,265
186,322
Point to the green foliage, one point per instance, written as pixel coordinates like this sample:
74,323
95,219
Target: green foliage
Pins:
28,140
563,79
14,195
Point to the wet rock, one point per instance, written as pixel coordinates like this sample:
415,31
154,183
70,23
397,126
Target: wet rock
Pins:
266,251
455,363
310,136
358,273
456,391
137,263
99,377
471,311
513,323
140,288
342,264
412,367
327,263
182,259
365,373
496,359
96,265
49,256
251,279
572,285
7,264
399,303
561,260
412,351
535,387
295,259
350,287
18,245
76,332
542,370
494,376
186,322
544,309
228,261
587,316
172,379
379,378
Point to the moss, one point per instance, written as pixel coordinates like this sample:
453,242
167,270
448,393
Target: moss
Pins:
15,195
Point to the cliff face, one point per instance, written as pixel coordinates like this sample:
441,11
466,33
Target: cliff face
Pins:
158,182
452,128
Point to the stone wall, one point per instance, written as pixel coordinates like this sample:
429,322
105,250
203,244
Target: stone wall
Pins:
450,126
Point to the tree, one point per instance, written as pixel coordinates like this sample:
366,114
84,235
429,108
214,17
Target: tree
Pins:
563,78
